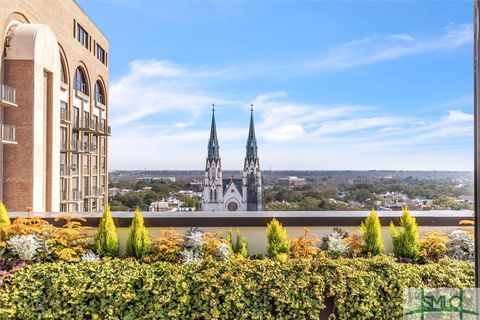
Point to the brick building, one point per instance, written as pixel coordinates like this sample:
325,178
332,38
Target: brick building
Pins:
53,107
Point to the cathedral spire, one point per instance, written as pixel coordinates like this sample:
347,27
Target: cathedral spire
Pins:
213,153
252,141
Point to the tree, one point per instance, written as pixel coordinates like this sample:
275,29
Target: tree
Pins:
239,246
278,242
138,242
4,219
406,239
371,230
133,200
106,241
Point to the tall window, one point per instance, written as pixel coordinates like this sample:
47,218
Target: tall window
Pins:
100,54
63,71
99,93
76,117
79,82
82,36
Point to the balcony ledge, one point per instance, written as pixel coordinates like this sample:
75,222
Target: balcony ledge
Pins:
434,218
8,104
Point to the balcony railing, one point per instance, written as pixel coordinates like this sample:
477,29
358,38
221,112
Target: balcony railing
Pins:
88,125
104,130
97,192
76,122
93,148
8,96
7,134
70,196
74,146
65,171
65,115
77,146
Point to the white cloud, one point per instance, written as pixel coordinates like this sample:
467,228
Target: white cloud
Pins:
376,49
156,109
159,87
285,132
457,116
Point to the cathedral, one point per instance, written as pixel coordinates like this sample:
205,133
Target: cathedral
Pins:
231,194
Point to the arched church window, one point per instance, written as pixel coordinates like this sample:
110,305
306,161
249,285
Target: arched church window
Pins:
211,195
215,194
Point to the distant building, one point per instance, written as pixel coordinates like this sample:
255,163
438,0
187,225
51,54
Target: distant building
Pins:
159,206
117,191
170,204
152,179
189,193
292,181
231,194
196,186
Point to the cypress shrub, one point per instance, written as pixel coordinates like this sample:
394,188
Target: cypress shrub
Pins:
4,219
138,241
406,238
371,231
106,241
278,241
241,245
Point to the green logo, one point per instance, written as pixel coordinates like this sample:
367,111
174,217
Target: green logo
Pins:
440,303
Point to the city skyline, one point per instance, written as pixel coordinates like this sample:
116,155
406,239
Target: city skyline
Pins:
382,91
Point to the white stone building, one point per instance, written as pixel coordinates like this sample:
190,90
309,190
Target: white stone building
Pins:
232,194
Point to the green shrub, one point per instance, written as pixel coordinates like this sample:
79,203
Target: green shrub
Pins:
406,239
167,247
433,246
106,241
372,288
371,231
361,288
4,219
115,289
278,246
138,241
240,246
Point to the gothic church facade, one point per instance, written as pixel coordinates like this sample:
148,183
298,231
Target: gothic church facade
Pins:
232,194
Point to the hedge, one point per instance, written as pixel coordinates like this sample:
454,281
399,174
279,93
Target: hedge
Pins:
362,288
115,289
372,288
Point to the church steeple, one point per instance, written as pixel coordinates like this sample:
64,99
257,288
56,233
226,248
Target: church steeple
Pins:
213,152
252,141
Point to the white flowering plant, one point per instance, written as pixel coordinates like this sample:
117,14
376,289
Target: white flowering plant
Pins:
28,248
334,243
461,246
89,256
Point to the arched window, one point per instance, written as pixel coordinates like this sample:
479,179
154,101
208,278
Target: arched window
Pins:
63,70
99,93
215,195
80,82
211,195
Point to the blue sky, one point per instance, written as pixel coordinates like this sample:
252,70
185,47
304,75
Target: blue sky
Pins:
336,85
